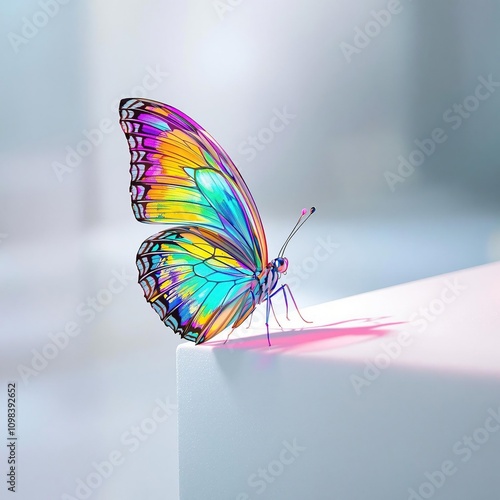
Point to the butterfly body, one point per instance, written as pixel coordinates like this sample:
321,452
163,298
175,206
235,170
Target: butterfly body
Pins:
211,269
269,278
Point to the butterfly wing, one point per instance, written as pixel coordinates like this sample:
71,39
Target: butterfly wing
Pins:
195,280
180,175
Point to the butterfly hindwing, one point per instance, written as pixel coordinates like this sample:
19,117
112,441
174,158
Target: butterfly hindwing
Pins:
194,281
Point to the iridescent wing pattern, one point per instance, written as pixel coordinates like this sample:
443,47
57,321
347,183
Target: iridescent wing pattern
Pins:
201,276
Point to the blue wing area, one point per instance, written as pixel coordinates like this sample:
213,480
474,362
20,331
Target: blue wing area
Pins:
219,191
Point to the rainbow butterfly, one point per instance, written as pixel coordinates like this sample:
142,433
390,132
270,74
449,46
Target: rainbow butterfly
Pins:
211,270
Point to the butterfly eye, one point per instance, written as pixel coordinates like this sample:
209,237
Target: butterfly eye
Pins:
282,264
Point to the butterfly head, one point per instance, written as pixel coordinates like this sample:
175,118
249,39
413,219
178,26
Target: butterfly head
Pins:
280,264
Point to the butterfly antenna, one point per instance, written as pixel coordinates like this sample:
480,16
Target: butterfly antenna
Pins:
304,215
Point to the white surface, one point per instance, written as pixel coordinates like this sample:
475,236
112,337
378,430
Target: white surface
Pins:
366,432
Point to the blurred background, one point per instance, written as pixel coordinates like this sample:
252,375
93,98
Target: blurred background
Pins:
384,115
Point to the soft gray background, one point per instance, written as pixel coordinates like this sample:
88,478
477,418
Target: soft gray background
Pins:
229,65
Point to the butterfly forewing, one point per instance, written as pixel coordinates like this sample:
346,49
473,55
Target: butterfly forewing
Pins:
167,147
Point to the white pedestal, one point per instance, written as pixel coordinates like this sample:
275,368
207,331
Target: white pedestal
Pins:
392,394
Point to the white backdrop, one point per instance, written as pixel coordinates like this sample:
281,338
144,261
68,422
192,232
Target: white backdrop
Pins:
384,115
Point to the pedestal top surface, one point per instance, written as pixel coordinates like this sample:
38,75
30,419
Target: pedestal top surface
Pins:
449,322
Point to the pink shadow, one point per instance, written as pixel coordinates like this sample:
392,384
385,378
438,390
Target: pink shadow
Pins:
308,338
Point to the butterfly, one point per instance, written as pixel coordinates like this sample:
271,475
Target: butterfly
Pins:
211,269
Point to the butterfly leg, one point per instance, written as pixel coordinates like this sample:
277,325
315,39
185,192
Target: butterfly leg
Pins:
268,307
274,314
251,315
250,322
228,335
295,303
286,303
283,289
